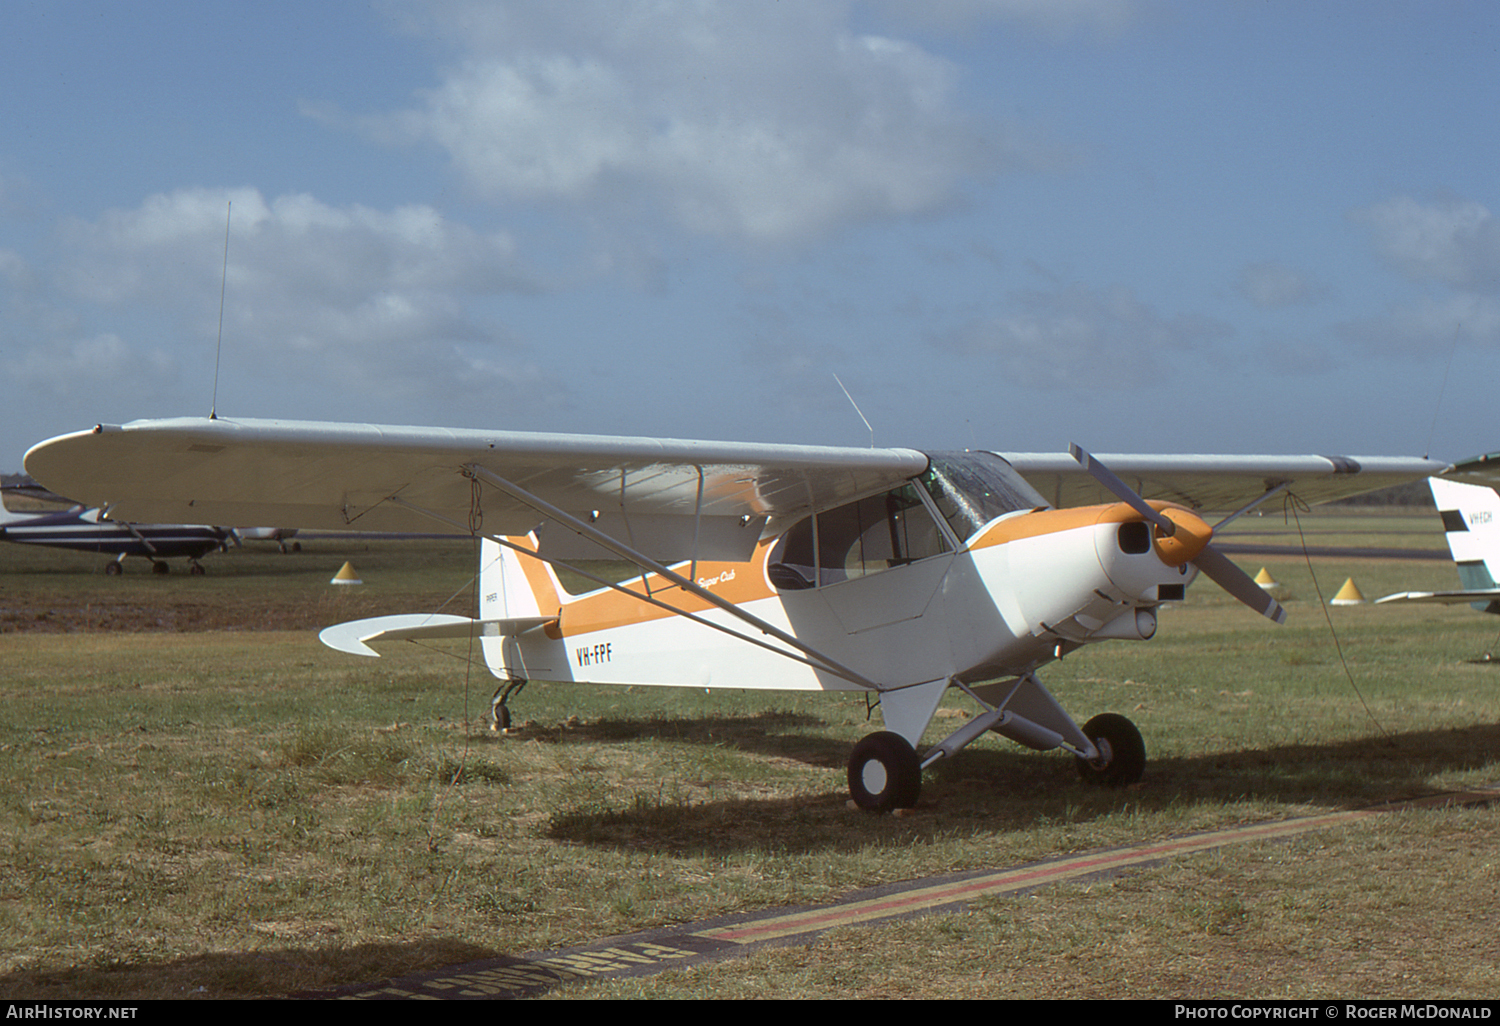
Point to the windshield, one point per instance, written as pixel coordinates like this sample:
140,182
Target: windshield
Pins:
972,488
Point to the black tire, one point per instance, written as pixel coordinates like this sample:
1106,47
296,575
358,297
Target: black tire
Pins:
1122,753
160,568
113,569
884,773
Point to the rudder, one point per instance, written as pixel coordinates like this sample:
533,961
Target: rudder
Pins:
1471,522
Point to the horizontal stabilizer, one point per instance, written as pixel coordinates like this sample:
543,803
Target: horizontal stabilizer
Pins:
353,637
1446,597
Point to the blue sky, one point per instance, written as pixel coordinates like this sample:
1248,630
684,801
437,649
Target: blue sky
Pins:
1141,225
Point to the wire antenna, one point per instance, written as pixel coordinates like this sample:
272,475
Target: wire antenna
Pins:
1443,388
213,405
857,410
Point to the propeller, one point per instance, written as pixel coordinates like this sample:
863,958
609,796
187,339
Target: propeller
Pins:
1191,537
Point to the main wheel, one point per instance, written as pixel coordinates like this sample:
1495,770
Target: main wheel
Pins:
884,773
1122,753
113,569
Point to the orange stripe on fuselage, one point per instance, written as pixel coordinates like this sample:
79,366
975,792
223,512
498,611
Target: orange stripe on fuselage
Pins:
1054,521
746,582
734,582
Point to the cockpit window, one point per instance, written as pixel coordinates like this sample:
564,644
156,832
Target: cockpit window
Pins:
861,538
973,488
876,534
892,529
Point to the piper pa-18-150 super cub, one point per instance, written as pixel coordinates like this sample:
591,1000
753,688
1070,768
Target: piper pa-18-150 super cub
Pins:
893,572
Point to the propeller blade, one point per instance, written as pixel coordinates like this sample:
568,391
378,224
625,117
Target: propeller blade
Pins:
1121,490
1218,568
1213,563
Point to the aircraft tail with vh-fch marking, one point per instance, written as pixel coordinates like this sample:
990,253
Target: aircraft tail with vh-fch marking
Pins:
1471,522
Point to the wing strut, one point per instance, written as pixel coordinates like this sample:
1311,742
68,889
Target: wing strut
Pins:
643,561
1277,490
129,528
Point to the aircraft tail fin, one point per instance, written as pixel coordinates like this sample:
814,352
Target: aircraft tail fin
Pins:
6,516
515,586
1471,520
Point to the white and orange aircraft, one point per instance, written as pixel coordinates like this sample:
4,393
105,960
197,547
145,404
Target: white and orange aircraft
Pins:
891,572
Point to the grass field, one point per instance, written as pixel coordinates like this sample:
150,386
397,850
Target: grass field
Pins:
195,805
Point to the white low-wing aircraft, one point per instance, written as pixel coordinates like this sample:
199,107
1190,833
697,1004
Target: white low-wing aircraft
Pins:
89,530
887,571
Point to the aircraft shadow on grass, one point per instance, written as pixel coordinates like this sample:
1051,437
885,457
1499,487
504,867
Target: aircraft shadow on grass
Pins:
1003,790
982,788
283,970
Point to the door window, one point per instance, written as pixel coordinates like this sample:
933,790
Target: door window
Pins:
855,540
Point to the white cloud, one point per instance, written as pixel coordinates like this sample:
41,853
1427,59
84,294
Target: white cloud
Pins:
293,244
1451,247
63,370
1078,337
353,301
13,271
1272,285
1055,17
1454,242
1432,325
767,122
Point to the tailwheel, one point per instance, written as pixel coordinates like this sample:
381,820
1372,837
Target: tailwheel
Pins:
499,710
884,773
1122,753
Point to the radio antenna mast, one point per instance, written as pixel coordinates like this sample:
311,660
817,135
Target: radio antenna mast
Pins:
857,409
213,405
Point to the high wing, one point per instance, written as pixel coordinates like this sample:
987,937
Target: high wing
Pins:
668,497
1220,483
1482,470
715,498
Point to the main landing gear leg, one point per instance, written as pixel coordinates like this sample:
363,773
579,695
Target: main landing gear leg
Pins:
885,773
499,711
1108,749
